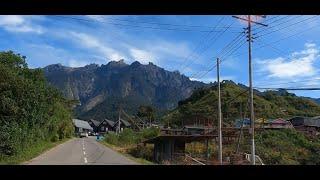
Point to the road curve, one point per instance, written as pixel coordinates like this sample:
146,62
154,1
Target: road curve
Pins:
81,151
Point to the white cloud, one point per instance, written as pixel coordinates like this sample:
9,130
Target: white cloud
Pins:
43,54
176,49
96,17
77,63
91,42
16,23
300,65
142,56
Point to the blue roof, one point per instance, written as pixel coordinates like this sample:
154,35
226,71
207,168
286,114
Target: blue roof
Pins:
244,121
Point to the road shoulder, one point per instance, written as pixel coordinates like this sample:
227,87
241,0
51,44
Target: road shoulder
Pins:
51,148
140,161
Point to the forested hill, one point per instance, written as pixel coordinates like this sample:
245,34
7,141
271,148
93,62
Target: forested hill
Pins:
202,104
102,89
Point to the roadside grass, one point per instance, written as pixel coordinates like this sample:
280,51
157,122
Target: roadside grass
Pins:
30,153
124,151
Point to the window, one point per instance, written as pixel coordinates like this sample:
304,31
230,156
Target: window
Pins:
102,128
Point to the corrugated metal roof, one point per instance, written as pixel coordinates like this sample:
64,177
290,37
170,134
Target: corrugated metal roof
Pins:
81,124
111,123
95,122
126,123
312,122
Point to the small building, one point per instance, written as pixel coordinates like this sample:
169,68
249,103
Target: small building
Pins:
307,125
106,126
123,124
277,124
196,130
94,124
242,123
81,126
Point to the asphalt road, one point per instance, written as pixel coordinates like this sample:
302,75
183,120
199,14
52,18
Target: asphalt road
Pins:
81,151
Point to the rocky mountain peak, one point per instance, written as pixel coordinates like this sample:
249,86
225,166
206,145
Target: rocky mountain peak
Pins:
54,67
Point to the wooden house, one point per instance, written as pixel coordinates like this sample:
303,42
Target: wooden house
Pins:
94,124
101,126
106,126
307,125
123,124
277,124
81,126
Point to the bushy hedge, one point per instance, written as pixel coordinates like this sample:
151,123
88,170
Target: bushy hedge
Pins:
31,111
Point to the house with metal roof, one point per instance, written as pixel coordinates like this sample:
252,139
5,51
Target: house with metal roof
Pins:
308,125
102,126
276,124
94,124
105,126
123,124
81,126
242,123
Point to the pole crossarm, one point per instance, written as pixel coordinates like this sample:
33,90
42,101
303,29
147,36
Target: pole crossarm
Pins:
255,22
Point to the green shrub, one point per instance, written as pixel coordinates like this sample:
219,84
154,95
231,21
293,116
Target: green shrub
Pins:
128,137
150,132
112,138
287,147
145,152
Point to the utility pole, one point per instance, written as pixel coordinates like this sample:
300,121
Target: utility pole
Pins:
219,114
248,19
253,147
119,120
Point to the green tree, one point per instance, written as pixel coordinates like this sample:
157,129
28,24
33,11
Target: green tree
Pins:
31,111
146,112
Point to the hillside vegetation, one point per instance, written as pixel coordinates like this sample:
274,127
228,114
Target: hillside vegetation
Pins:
202,104
286,146
32,114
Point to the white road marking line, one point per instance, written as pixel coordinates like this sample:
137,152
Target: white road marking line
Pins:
85,160
84,153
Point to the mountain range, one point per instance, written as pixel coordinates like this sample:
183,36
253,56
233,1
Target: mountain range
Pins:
103,89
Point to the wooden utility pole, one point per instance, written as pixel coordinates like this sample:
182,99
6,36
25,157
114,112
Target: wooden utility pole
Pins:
119,122
219,114
248,19
253,150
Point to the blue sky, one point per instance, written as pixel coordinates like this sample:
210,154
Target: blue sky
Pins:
286,54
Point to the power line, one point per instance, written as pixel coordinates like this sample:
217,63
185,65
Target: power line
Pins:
199,45
233,50
286,18
267,21
281,39
290,82
290,89
132,26
167,24
286,26
231,44
213,40
277,50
